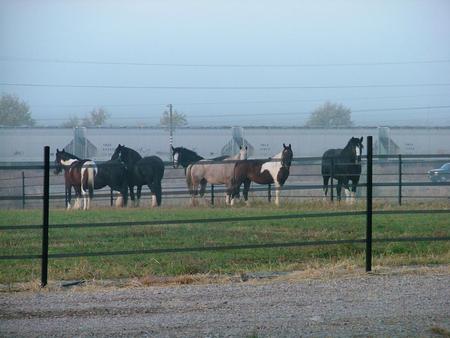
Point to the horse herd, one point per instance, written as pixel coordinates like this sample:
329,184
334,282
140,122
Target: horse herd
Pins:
128,169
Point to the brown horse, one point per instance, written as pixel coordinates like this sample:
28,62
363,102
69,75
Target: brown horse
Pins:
217,172
271,171
78,174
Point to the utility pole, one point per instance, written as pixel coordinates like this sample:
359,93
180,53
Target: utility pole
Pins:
170,131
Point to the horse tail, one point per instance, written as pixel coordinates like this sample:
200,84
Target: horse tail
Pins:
88,172
158,192
189,179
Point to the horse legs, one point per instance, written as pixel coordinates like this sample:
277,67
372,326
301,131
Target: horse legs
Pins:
246,189
69,196
78,197
203,184
138,195
277,194
124,194
338,190
131,188
156,190
325,184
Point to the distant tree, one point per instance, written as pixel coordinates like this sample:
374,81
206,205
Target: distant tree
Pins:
330,115
72,122
97,117
14,112
178,119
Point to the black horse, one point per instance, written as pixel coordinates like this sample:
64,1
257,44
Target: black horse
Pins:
344,165
141,171
113,173
185,157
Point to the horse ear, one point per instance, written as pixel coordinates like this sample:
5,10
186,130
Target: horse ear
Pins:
284,146
290,146
361,139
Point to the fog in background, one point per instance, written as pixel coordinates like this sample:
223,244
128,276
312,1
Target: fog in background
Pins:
228,62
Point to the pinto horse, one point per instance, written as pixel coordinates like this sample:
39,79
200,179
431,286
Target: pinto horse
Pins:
141,171
271,171
79,174
344,165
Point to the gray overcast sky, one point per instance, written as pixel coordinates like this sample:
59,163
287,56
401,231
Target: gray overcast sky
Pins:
352,52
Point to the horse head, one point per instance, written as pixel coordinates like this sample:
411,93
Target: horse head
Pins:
118,153
58,158
184,157
357,145
243,153
286,156
177,154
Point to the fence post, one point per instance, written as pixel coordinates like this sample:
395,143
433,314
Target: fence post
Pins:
369,206
111,197
23,190
269,193
331,180
66,197
400,179
212,194
44,270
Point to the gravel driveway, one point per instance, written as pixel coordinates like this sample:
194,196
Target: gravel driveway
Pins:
392,304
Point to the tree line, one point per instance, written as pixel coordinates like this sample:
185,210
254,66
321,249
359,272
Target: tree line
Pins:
16,112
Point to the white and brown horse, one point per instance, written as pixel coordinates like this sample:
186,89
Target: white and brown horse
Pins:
79,174
272,171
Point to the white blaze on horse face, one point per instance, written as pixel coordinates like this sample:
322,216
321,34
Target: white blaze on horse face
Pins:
273,167
175,159
243,154
358,151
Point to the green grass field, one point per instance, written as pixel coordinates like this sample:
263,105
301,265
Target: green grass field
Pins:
101,239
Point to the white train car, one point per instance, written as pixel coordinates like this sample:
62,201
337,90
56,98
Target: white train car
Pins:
26,144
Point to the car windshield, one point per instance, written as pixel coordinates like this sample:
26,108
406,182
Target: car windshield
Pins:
446,166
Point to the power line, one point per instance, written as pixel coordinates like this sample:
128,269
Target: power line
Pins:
238,102
210,65
404,85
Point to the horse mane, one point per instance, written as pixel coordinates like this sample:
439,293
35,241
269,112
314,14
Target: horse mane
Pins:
69,155
189,151
132,151
277,156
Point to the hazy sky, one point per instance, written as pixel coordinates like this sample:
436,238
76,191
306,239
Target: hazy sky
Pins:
228,62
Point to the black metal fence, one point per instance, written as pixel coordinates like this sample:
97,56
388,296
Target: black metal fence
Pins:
369,183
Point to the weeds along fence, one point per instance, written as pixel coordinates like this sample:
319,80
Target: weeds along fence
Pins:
387,178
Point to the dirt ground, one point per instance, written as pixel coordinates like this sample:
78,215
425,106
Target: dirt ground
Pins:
401,302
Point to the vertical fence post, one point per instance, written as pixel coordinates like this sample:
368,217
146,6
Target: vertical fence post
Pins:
66,196
111,197
212,194
331,180
369,206
400,179
23,190
269,193
44,270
